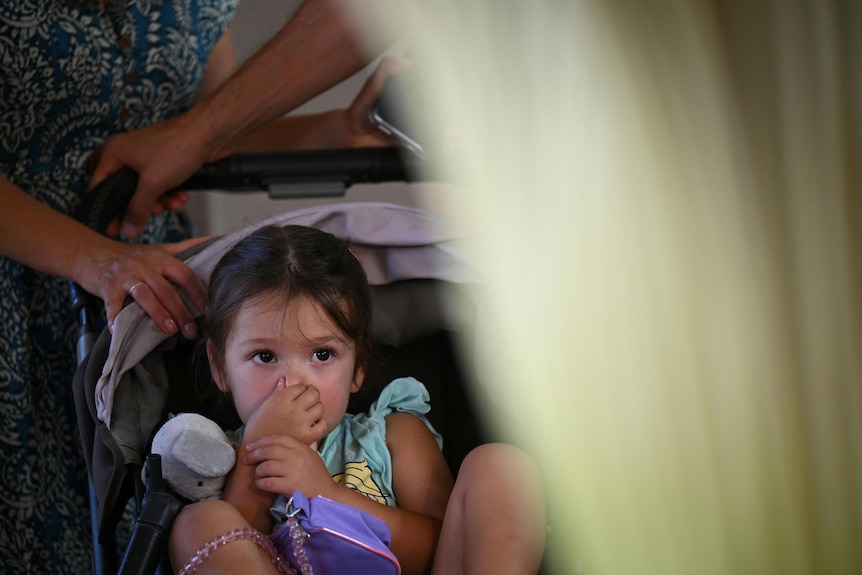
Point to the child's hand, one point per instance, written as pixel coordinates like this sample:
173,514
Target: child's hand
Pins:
293,410
285,464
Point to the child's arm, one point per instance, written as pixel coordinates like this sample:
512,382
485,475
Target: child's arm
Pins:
293,410
422,483
252,503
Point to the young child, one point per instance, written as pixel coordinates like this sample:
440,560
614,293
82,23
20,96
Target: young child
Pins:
288,339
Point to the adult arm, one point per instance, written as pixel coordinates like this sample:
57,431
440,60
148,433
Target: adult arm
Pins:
316,49
340,128
44,239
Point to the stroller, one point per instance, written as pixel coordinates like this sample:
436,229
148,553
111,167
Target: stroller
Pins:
127,383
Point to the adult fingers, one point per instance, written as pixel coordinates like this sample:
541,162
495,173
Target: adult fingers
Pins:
140,207
175,248
117,152
160,300
103,165
178,154
151,276
183,276
373,86
175,201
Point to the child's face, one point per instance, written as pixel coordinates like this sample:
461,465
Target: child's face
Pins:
298,343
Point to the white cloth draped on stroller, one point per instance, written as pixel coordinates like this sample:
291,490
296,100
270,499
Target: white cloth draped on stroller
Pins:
394,243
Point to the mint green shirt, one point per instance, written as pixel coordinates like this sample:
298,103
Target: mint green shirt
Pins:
355,452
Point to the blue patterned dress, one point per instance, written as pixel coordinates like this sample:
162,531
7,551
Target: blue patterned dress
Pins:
72,74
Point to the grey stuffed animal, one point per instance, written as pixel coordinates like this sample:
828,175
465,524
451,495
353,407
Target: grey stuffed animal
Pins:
196,456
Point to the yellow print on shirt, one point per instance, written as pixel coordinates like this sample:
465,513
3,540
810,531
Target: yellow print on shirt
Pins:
357,475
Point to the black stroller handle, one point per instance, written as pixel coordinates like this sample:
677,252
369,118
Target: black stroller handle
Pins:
108,200
260,171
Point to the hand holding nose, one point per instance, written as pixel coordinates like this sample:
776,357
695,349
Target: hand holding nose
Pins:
293,410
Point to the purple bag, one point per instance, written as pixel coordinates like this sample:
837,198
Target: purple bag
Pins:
324,537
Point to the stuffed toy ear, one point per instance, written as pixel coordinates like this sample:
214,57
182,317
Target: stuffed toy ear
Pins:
203,454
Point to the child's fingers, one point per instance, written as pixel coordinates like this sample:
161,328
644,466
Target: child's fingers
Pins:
304,397
304,435
282,468
275,439
275,466
271,453
307,395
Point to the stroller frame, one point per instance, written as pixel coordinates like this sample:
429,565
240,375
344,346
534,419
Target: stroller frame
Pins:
457,420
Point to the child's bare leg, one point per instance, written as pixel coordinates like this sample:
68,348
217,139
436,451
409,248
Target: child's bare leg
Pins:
203,522
495,520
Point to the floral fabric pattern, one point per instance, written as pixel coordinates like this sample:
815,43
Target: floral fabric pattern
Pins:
71,75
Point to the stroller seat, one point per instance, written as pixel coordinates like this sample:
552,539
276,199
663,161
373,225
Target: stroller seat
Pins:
127,384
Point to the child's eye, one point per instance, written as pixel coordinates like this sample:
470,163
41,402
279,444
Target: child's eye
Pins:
264,356
322,355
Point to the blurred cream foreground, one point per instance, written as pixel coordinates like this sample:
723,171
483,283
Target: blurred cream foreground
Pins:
666,202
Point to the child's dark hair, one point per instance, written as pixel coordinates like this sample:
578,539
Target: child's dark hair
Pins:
292,261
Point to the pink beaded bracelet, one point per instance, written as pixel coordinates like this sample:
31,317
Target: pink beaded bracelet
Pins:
254,535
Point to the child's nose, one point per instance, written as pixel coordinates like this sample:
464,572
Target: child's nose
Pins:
292,376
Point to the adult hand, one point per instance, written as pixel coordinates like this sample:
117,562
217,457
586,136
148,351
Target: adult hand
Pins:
164,155
149,274
361,133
